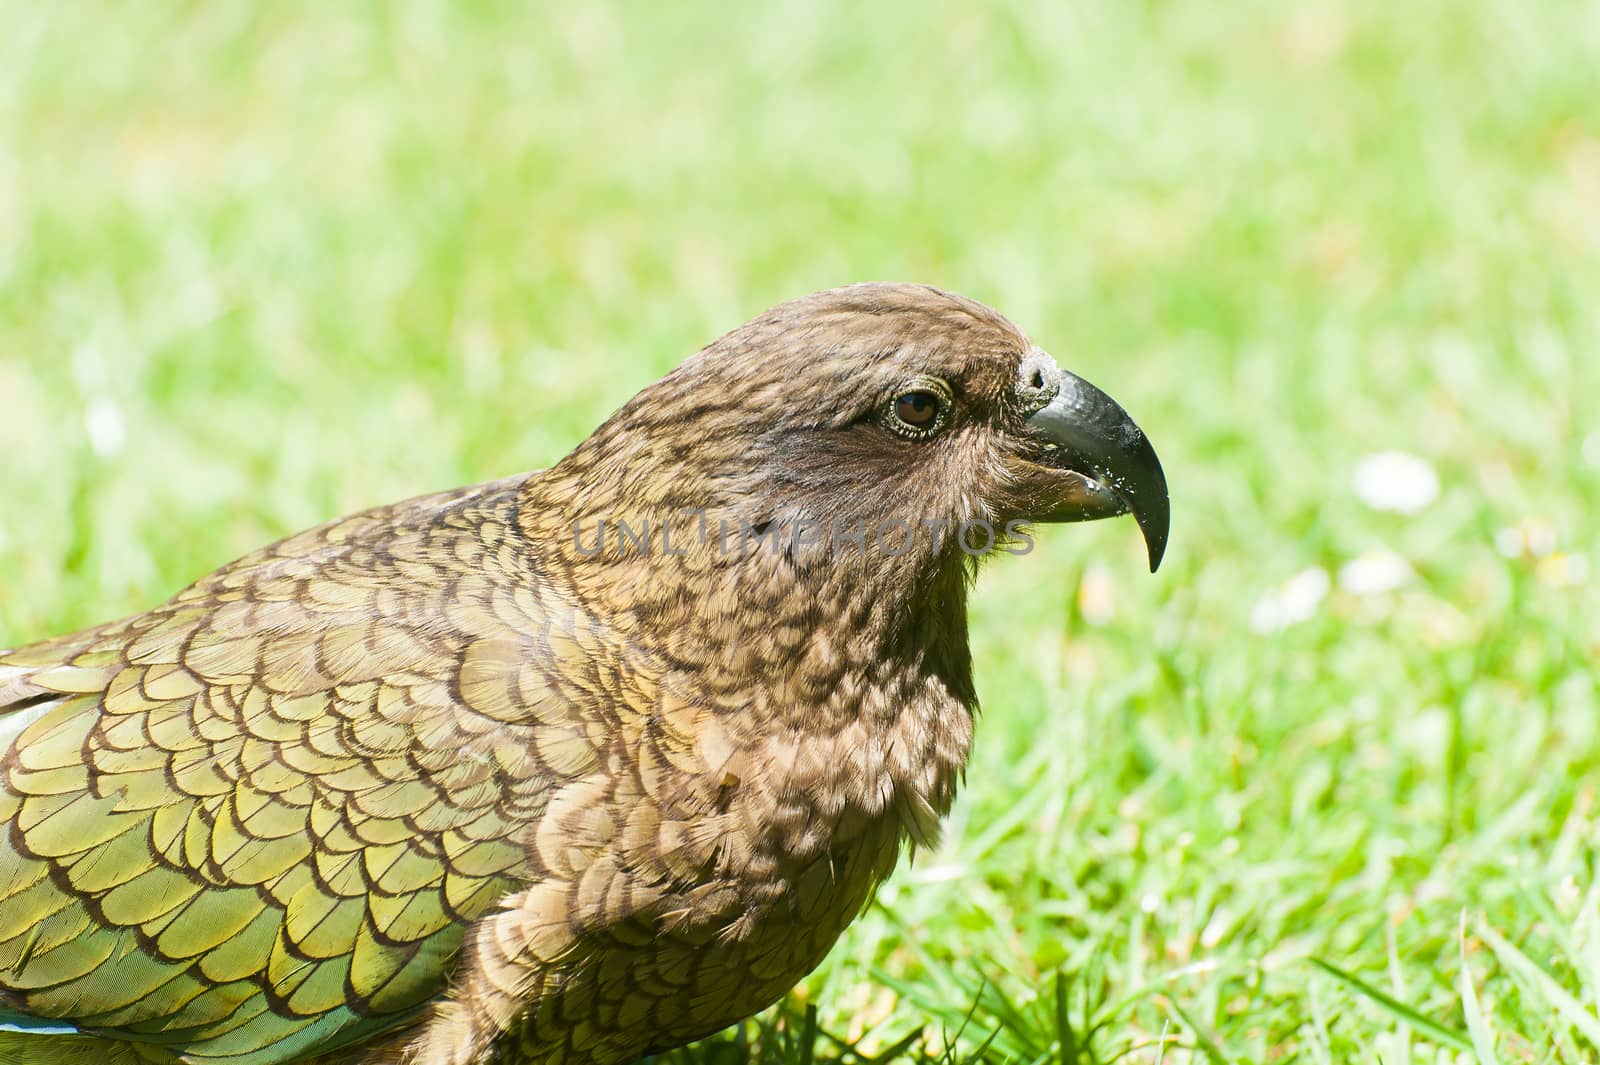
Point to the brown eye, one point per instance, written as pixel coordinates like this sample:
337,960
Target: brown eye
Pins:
917,409
920,410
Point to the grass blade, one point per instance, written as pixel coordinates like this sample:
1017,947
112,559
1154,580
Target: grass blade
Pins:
1208,1045
1067,1038
1477,1026
1425,1026
1561,1000
808,1035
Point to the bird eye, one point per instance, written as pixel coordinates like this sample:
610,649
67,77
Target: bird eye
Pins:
920,409
917,409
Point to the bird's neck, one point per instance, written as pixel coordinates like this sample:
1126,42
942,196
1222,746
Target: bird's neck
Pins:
809,613
847,663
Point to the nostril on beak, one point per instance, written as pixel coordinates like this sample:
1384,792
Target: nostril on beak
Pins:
1038,379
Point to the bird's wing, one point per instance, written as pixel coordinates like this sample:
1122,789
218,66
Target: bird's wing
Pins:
257,820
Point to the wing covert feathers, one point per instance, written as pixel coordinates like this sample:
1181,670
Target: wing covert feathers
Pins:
259,818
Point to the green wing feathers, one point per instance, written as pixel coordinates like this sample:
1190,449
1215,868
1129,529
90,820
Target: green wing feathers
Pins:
256,822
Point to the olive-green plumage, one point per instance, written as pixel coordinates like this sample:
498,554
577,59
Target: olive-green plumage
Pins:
460,780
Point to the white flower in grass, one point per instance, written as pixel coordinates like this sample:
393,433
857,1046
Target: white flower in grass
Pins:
1562,570
1397,481
1374,573
1293,601
103,420
1533,537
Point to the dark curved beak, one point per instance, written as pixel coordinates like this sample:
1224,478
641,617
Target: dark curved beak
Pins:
1087,432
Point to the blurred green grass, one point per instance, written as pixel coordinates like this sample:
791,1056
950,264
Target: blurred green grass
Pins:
261,265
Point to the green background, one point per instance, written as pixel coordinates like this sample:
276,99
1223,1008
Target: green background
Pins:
265,264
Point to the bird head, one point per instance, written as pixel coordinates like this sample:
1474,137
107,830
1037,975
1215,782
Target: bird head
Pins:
848,420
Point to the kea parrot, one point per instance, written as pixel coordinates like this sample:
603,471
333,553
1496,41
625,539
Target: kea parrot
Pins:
570,767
